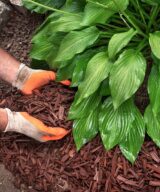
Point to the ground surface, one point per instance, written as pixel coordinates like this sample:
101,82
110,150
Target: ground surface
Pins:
56,166
6,180
8,40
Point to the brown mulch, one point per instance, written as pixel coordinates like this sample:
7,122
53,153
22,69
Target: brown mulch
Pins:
15,37
56,166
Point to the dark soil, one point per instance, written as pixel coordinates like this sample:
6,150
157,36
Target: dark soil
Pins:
56,166
16,36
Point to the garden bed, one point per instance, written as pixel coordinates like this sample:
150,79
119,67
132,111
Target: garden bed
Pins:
56,166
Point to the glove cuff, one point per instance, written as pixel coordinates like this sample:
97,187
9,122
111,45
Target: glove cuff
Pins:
22,76
17,123
12,124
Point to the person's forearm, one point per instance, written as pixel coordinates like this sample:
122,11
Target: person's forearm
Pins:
8,67
3,119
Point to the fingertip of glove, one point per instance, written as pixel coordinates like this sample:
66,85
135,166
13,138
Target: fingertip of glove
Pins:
57,132
26,91
54,138
66,82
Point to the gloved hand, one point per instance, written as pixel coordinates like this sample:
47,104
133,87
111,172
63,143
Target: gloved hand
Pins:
28,79
32,127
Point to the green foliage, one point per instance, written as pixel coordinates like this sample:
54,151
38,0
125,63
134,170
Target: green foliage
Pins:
100,11
118,42
133,140
154,89
153,125
124,126
40,6
98,69
85,129
114,124
76,42
154,41
152,2
126,76
103,46
83,109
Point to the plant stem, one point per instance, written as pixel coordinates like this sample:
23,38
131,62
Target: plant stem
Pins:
142,44
128,17
143,10
50,8
114,27
137,21
107,33
140,11
154,14
133,24
106,36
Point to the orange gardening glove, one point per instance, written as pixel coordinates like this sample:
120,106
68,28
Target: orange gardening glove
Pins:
32,127
29,79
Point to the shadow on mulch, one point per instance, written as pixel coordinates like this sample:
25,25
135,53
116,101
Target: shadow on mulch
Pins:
56,166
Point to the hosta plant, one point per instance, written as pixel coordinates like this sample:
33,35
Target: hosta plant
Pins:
104,46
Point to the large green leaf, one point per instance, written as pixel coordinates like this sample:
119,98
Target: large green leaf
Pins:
115,124
42,35
154,89
85,129
76,41
41,45
132,142
94,14
60,22
52,17
65,23
97,70
127,74
153,125
56,22
45,47
41,9
154,40
40,50
81,62
84,108
98,11
119,41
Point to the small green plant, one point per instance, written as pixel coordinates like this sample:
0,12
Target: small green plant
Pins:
103,46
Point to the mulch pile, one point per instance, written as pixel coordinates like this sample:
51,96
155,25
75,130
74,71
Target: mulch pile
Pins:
56,166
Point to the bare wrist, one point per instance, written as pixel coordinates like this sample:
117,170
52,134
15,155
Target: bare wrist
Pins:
8,66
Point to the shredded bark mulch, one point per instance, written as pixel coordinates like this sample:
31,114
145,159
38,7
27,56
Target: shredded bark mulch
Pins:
56,166
16,36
